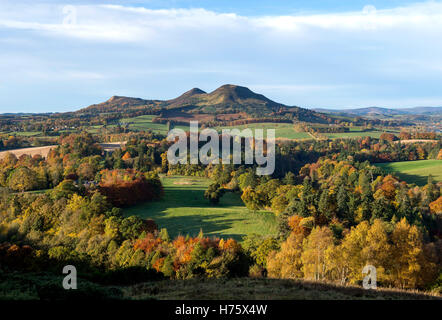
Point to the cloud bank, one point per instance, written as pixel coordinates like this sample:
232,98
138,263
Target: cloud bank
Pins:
77,55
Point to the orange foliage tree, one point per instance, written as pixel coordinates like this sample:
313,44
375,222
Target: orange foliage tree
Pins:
128,187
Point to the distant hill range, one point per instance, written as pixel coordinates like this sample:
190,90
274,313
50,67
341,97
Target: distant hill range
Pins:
228,102
233,104
386,112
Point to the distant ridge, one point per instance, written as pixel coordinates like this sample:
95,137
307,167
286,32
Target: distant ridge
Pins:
378,111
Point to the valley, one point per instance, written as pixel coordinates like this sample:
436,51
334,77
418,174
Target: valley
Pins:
95,188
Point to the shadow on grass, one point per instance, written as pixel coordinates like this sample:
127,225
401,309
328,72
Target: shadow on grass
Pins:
409,178
192,224
188,197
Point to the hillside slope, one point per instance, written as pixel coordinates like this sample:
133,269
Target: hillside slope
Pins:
227,99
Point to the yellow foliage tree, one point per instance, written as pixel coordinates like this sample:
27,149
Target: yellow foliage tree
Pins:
313,256
126,156
363,245
287,263
436,206
409,265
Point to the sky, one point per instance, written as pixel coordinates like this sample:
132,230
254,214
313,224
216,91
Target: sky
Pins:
64,55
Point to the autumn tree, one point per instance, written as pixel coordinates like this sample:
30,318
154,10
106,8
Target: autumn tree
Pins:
86,171
287,263
248,179
436,206
22,179
126,156
409,263
252,199
364,245
313,255
213,193
388,136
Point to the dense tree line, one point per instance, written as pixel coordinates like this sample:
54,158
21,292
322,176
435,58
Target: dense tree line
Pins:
397,250
41,232
330,205
404,135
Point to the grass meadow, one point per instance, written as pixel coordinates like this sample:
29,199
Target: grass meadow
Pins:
144,123
184,210
354,134
415,171
282,130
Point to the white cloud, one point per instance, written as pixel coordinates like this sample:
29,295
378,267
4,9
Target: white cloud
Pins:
120,23
354,58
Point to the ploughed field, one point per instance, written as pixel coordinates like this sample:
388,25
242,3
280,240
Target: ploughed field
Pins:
44,151
415,171
184,210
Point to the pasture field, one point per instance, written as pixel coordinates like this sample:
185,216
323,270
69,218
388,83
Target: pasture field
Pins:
23,133
415,171
184,210
354,134
358,131
144,123
26,133
282,130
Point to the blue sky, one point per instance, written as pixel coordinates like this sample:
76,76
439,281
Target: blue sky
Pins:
61,56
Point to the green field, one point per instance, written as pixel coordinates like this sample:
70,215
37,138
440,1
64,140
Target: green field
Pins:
282,130
415,171
144,123
141,123
24,133
354,134
184,210
357,131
